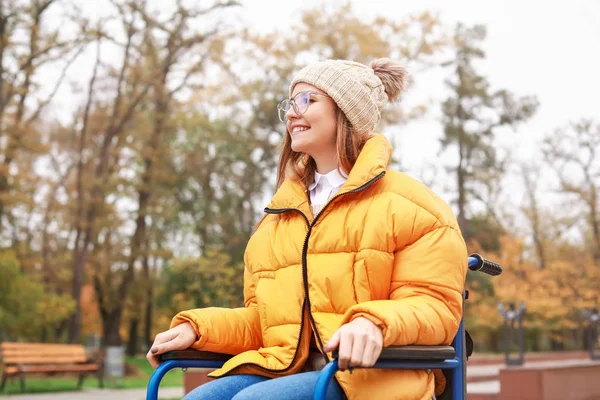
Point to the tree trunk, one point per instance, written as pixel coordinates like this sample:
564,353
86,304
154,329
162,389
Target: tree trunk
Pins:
111,325
75,318
460,171
133,342
535,340
149,304
144,195
81,243
556,343
595,222
59,331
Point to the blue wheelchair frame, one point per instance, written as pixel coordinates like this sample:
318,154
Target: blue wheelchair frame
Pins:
451,358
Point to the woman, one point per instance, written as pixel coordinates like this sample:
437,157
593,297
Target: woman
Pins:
349,256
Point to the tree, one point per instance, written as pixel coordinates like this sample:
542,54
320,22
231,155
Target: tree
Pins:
27,46
472,116
573,153
25,305
217,283
164,48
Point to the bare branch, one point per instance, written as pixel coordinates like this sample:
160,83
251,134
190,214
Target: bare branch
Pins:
197,67
63,74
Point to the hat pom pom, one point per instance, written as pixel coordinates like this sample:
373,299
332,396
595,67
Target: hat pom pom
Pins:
393,75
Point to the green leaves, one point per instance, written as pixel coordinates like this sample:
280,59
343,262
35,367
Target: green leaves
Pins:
26,307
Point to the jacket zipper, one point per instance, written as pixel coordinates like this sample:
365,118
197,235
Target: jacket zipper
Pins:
305,263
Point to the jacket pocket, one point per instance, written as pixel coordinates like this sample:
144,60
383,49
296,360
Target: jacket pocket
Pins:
362,286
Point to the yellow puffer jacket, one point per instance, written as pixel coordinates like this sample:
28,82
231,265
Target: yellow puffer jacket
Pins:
385,248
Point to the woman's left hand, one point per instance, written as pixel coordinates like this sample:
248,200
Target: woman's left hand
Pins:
360,342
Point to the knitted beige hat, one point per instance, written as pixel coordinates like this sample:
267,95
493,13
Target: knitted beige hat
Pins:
360,92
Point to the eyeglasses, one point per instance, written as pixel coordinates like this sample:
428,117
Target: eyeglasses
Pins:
300,102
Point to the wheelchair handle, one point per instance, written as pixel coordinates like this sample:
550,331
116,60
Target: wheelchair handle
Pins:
478,263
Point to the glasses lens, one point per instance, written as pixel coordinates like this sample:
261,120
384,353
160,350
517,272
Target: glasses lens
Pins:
282,109
301,100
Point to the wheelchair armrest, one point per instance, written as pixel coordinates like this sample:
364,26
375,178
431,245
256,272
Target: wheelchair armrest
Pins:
425,353
394,353
415,353
191,354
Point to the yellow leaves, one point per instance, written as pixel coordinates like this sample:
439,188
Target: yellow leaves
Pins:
554,295
90,317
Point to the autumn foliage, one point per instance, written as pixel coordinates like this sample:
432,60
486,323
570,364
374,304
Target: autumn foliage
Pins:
138,149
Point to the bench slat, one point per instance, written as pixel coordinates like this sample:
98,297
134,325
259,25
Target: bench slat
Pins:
25,346
44,351
60,368
13,370
43,359
41,353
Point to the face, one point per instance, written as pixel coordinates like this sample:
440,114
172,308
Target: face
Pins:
313,132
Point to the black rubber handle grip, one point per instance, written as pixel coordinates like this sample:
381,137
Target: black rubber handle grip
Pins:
486,266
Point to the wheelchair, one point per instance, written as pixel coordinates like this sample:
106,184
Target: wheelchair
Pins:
450,359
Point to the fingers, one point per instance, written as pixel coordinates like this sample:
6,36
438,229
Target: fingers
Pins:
377,353
152,359
345,352
163,342
333,343
358,349
175,344
370,354
360,343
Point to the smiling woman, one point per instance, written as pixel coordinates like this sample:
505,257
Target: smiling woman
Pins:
349,256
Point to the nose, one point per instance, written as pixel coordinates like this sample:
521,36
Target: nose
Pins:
291,113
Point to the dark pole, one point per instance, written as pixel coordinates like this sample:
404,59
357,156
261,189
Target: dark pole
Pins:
593,318
513,331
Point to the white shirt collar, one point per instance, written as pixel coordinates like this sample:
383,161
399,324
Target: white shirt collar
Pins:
333,179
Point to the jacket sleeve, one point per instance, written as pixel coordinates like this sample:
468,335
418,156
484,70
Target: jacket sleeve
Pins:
225,330
425,300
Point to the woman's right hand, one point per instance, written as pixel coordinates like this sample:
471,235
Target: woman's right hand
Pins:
179,338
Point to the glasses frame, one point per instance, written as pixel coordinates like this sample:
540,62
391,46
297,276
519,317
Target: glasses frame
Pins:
292,102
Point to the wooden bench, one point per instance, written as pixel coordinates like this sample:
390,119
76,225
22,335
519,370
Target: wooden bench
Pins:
19,359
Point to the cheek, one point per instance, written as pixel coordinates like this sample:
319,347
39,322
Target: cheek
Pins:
332,128
327,126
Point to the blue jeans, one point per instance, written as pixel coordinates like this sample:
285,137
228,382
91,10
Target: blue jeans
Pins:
254,387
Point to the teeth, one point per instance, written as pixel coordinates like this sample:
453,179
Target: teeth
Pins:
300,129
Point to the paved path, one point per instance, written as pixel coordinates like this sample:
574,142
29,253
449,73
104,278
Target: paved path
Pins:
99,394
486,387
492,384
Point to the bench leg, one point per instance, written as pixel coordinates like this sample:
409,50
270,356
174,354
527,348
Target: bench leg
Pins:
4,377
80,381
22,379
100,375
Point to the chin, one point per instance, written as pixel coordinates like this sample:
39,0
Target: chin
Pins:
299,147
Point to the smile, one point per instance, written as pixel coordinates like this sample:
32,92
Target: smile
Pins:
299,129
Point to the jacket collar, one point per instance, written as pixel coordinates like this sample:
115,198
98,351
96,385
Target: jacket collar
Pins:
372,161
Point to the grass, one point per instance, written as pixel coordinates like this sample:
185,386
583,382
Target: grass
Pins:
35,384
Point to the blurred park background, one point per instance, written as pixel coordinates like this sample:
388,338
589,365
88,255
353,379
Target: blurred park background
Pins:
139,139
